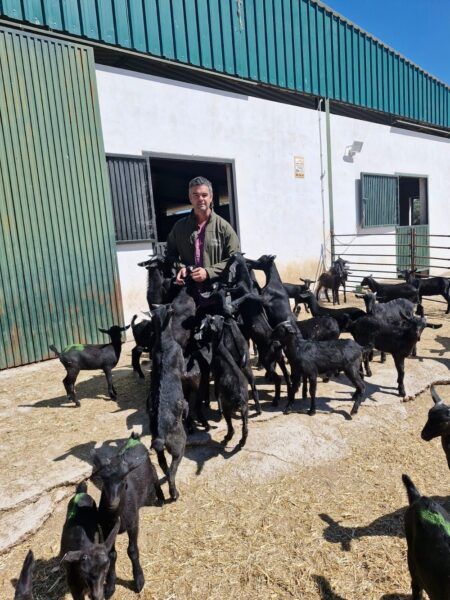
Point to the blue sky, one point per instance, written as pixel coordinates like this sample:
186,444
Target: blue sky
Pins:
418,29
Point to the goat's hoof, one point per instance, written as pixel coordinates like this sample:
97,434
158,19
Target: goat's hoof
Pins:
139,582
287,410
75,401
109,591
174,495
311,412
258,412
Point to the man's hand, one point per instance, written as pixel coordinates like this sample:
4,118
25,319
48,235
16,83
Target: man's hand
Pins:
199,274
181,275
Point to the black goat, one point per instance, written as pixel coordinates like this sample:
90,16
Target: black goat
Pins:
429,286
343,316
166,404
319,329
438,423
90,357
129,481
275,298
86,560
308,359
391,291
160,280
24,586
230,385
398,340
143,337
427,528
270,354
294,291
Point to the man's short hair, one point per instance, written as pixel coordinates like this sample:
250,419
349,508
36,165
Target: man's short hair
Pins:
201,181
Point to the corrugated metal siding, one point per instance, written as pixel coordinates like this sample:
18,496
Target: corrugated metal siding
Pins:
293,44
130,193
59,277
380,200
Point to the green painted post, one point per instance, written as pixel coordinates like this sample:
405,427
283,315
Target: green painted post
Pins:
330,177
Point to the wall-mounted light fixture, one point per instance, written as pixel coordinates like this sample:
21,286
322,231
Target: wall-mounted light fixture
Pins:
350,151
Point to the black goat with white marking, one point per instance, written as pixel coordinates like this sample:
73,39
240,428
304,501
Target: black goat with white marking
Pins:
438,423
309,359
427,528
24,586
166,404
129,481
86,560
229,383
90,357
429,286
391,291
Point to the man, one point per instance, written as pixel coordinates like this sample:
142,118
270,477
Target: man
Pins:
203,239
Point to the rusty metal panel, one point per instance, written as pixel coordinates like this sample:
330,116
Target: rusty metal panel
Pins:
58,265
299,45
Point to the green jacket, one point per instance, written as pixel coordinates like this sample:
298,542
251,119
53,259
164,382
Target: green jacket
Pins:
221,242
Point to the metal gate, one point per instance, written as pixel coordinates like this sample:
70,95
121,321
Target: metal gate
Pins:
385,254
58,267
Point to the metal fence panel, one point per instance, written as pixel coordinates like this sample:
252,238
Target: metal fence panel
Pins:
58,265
292,44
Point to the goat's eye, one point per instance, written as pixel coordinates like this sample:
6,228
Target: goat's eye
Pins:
84,557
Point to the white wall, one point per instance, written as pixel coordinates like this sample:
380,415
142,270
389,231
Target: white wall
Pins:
390,151
133,279
278,214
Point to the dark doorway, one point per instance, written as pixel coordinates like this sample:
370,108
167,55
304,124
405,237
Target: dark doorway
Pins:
169,180
413,201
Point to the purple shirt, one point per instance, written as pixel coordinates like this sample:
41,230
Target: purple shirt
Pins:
199,243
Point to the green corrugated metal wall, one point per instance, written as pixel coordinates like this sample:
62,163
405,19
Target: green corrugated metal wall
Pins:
58,270
293,44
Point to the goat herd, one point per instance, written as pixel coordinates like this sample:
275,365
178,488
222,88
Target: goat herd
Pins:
192,335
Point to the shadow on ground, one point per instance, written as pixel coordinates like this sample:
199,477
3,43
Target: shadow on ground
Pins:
325,590
390,524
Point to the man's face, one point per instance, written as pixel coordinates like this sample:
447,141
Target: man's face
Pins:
200,198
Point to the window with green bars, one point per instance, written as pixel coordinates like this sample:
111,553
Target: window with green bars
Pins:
380,204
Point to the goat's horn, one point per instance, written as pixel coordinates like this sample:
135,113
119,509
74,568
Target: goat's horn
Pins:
436,398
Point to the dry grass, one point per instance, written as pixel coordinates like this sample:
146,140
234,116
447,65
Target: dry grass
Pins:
333,531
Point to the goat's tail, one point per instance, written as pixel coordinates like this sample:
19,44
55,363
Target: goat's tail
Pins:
158,444
411,490
81,488
133,320
54,349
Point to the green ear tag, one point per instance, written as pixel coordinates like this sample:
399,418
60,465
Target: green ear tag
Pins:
435,519
73,505
74,347
131,443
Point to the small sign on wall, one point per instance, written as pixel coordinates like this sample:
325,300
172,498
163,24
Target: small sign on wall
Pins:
299,167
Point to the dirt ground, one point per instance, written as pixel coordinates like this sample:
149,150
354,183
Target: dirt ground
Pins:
310,508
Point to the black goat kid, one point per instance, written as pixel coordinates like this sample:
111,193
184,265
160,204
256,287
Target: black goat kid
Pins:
90,357
230,385
427,528
308,359
129,481
24,586
86,560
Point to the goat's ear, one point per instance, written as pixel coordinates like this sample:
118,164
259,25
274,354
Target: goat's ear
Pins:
104,330
436,398
434,325
73,556
125,328
109,543
405,317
